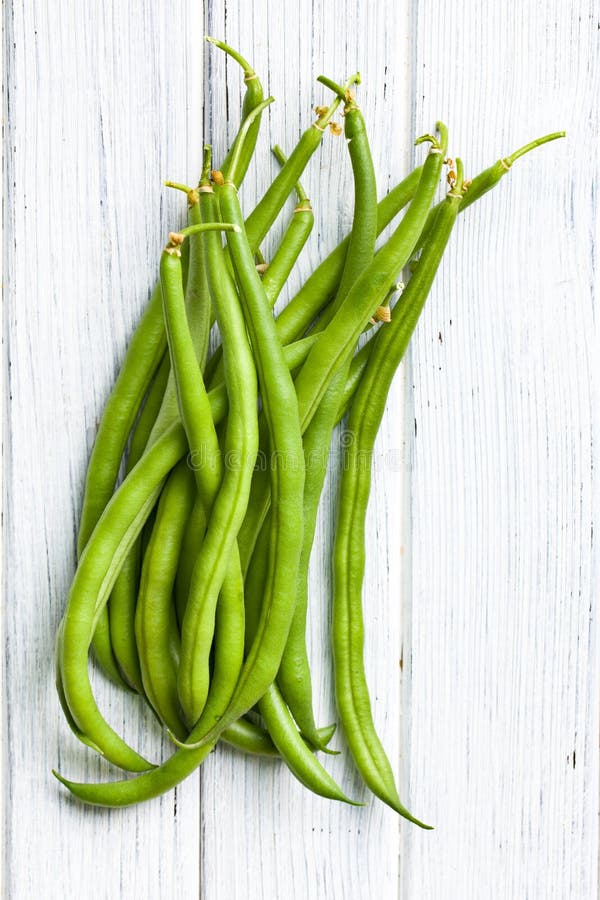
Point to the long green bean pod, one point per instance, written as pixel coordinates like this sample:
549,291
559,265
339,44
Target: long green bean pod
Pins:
224,498
122,602
292,242
86,604
297,755
366,411
253,97
294,679
155,625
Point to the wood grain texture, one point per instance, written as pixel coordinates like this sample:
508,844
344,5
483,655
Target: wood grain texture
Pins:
482,573
97,119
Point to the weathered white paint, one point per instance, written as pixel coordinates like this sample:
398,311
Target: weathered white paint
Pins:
482,569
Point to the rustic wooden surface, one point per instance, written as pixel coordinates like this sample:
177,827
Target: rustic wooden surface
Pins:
481,597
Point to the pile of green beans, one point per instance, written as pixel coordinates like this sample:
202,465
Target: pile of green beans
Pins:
192,580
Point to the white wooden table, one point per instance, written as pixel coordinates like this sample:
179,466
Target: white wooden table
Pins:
481,592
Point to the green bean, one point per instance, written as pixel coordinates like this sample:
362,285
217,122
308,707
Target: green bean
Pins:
61,694
216,568
155,612
294,239
365,415
252,98
199,322
121,607
160,779
192,538
98,567
250,738
296,750
213,572
298,757
294,679
278,269
342,333
143,357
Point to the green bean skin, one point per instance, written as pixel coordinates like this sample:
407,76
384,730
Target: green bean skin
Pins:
155,610
212,563
249,738
61,694
286,476
143,356
294,673
192,398
216,569
294,239
192,538
228,642
357,367
98,567
197,298
103,652
121,605
298,757
366,411
149,412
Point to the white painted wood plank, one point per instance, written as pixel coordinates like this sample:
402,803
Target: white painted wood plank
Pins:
505,681
265,836
96,119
